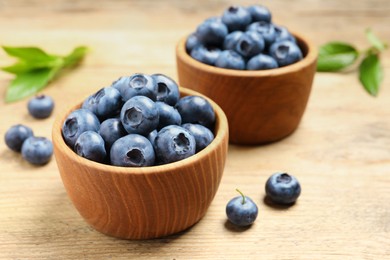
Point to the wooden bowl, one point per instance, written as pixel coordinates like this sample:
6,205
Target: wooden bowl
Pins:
261,106
145,202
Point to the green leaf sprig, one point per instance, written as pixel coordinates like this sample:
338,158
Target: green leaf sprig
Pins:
35,69
336,56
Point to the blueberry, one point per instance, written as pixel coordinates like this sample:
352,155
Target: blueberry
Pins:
241,210
229,59
283,34
196,110
132,150
285,53
40,106
282,188
236,18
250,44
265,29
76,123
212,32
260,13
174,143
90,145
137,84
139,115
167,89
191,42
168,115
206,55
231,40
152,136
104,103
111,130
16,135
37,150
261,62
203,136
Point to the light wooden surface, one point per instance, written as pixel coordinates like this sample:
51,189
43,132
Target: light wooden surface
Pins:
340,152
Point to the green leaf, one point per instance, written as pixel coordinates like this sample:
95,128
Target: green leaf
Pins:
335,56
23,66
28,83
75,56
28,53
371,74
375,41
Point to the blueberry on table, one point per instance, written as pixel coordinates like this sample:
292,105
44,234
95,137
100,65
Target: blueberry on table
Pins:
167,89
197,110
138,84
285,52
139,115
229,59
206,55
231,40
266,30
16,135
168,115
249,44
111,130
77,122
37,150
236,18
261,62
132,150
241,210
260,13
104,103
211,32
282,188
203,136
40,106
90,145
174,143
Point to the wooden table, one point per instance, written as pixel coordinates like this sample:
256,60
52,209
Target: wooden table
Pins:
340,152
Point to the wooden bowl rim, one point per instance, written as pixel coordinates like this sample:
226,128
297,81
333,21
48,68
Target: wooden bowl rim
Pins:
221,135
308,59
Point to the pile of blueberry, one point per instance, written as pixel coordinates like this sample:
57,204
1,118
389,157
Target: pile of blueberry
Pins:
243,39
20,138
140,120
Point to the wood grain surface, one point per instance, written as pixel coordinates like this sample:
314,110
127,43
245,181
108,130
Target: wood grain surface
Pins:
340,152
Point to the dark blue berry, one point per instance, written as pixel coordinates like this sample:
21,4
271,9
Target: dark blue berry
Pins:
90,145
241,210
139,115
231,40
174,143
111,130
282,188
37,150
206,55
77,122
203,136
250,44
196,110
16,135
229,59
168,115
236,18
152,136
260,13
104,103
212,32
261,62
167,89
137,84
266,30
132,150
40,106
285,52
282,34
191,42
